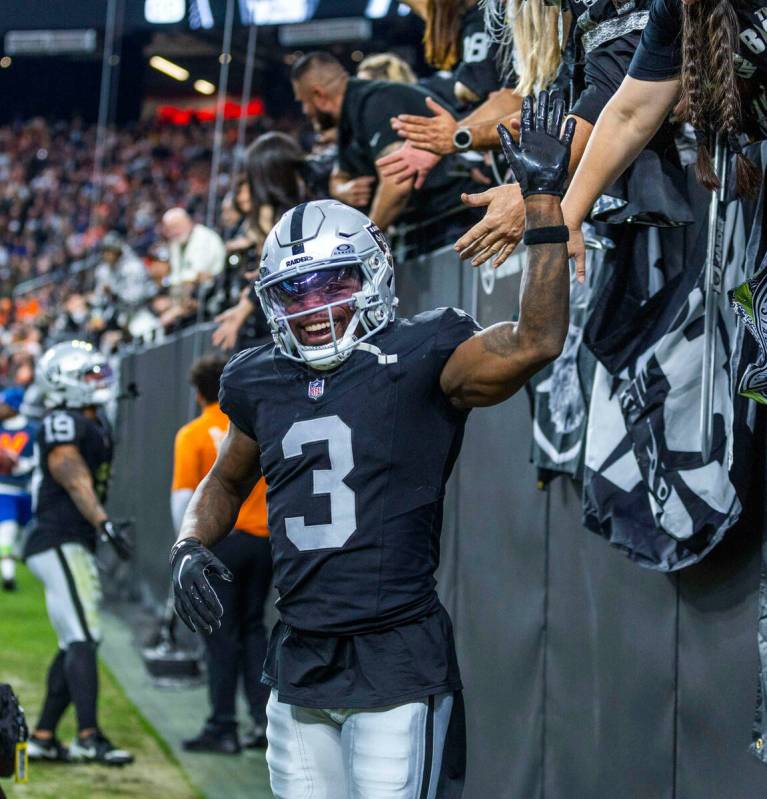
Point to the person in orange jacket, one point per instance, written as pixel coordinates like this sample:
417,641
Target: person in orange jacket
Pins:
238,646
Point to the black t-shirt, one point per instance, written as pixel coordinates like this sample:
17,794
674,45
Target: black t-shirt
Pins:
607,37
659,55
604,70
365,131
57,519
356,460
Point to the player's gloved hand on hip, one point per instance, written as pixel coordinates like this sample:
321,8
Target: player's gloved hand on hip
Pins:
541,159
196,602
115,534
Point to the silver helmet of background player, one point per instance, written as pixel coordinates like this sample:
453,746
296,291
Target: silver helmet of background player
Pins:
327,235
74,374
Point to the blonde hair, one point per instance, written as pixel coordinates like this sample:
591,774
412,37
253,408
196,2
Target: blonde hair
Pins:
386,66
528,33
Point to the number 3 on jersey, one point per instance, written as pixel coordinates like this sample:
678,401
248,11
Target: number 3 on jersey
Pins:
343,515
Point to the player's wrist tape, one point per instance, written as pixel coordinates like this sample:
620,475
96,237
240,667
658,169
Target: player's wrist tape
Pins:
556,234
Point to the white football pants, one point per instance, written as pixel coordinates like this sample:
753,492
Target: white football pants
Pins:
383,753
72,591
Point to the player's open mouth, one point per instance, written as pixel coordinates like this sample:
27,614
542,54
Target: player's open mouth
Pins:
317,332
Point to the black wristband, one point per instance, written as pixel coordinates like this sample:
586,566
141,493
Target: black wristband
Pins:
557,234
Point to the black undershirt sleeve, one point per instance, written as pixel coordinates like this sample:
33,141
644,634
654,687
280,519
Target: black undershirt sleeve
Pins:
659,55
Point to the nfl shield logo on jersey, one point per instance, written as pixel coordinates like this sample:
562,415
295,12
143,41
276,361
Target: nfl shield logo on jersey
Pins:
316,389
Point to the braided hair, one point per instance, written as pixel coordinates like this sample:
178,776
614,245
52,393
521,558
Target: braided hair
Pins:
711,96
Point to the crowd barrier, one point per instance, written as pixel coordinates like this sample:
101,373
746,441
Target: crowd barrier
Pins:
587,676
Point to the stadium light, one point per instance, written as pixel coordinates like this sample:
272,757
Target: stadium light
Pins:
168,68
377,8
164,12
204,87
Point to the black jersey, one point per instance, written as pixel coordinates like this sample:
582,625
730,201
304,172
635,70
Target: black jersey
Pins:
57,519
356,461
478,68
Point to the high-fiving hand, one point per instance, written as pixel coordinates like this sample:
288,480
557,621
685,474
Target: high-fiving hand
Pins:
541,160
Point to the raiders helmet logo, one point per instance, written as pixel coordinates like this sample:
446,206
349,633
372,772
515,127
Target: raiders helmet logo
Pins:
380,240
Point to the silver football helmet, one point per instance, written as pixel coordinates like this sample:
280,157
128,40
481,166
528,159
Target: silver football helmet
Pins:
74,374
320,256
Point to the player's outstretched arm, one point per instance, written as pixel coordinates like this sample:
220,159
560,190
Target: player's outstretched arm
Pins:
494,364
209,517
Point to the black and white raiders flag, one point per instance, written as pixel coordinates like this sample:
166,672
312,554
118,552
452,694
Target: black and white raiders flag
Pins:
647,488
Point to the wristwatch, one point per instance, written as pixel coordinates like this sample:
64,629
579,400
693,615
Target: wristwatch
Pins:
462,139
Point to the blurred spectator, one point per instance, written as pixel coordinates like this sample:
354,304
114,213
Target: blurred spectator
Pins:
386,66
458,46
120,277
238,647
158,267
236,210
17,462
196,252
275,169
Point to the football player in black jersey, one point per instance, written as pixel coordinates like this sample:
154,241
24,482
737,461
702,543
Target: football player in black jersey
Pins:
356,419
75,444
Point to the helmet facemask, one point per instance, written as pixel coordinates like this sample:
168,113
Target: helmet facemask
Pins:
310,240
318,292
100,382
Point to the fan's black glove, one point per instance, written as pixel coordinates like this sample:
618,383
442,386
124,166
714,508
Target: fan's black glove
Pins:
115,534
541,159
195,600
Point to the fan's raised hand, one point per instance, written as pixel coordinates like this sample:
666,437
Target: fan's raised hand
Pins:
541,159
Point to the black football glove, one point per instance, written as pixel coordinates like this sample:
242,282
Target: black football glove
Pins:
115,534
195,600
541,159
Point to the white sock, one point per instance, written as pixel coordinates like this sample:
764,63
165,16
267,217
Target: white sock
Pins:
7,568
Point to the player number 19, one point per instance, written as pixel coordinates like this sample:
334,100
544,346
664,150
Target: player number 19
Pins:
59,428
343,516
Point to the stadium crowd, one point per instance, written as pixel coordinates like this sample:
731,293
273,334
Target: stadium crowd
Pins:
128,256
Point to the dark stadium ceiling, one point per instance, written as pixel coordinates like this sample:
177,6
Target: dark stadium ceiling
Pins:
48,47
191,14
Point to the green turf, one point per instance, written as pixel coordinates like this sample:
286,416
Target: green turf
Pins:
27,644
